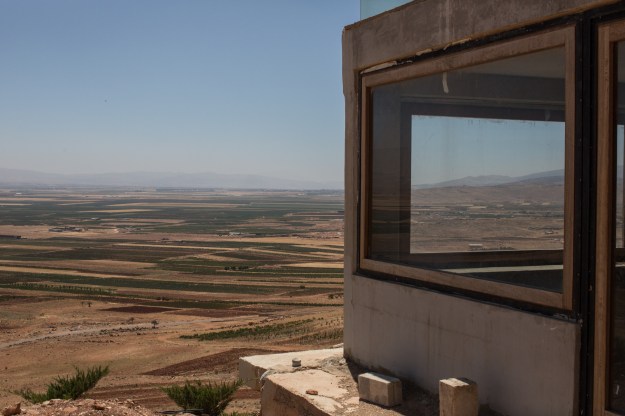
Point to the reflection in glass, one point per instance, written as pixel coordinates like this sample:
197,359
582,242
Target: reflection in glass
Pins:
484,184
617,285
467,171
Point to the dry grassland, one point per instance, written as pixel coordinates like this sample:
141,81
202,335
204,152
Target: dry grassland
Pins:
126,289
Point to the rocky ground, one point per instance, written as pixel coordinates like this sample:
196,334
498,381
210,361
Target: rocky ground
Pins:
80,407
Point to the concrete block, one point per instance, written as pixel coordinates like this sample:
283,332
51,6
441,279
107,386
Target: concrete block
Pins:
458,397
379,389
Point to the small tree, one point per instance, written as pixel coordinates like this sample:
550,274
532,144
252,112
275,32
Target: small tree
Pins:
154,324
212,398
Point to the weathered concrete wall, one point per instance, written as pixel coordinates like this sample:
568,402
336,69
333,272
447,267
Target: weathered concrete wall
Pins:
431,24
524,364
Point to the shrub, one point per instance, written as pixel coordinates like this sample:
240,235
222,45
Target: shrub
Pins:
68,387
33,397
212,398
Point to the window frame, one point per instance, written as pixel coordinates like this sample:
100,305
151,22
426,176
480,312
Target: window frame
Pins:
562,36
608,35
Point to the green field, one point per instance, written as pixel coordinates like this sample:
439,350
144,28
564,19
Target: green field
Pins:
282,244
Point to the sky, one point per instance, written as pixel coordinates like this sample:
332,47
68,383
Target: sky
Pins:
225,86
448,148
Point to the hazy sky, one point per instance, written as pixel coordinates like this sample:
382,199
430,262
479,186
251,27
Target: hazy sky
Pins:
226,86
447,148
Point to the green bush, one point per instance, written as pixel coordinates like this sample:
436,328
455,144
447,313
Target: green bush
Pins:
33,397
212,398
68,387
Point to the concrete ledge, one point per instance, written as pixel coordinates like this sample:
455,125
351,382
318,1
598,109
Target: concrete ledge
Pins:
309,392
380,389
324,385
252,368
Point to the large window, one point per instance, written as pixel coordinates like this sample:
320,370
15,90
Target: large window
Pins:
467,170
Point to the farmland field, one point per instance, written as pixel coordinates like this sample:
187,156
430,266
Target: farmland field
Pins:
163,285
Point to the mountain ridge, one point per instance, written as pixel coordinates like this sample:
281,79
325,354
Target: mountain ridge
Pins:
494,180
23,177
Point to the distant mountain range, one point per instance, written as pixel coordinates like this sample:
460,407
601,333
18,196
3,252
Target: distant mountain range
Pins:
18,177
493,180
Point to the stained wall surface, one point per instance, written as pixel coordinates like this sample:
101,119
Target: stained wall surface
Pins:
525,364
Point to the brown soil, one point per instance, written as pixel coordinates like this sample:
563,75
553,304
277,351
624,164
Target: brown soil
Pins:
242,394
56,271
224,361
261,310
149,396
212,313
140,309
63,332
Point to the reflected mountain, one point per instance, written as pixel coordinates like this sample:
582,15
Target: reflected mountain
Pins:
552,176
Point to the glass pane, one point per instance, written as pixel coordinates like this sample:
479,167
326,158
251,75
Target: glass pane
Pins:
468,171
617,341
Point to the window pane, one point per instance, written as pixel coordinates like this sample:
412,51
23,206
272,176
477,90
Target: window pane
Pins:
467,172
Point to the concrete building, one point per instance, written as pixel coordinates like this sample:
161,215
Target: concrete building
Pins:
498,125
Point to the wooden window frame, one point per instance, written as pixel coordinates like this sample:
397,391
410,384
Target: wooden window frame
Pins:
608,35
563,36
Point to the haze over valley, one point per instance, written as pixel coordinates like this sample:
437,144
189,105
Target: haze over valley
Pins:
18,177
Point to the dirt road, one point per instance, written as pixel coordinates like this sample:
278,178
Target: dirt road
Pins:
98,328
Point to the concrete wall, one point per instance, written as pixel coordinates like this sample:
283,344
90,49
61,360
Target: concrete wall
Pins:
525,364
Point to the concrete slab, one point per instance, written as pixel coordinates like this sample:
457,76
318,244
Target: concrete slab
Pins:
252,368
325,385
